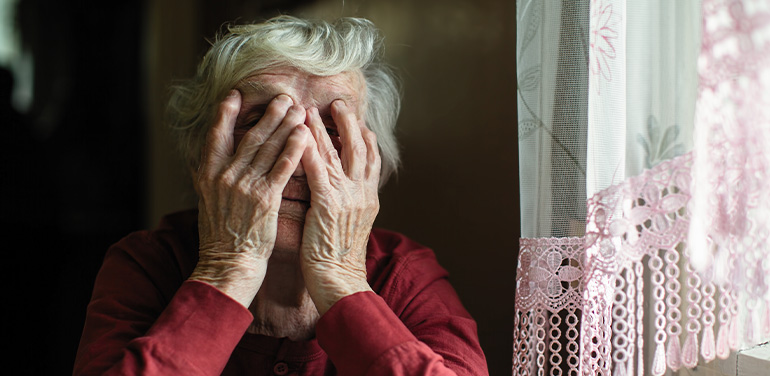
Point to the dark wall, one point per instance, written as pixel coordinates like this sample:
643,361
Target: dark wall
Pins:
73,182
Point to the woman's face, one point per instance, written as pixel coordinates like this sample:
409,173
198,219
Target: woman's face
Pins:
308,91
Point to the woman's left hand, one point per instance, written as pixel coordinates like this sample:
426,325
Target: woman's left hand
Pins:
343,205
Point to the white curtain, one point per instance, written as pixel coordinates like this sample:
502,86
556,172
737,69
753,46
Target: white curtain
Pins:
643,137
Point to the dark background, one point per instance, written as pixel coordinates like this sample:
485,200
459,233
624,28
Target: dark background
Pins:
88,162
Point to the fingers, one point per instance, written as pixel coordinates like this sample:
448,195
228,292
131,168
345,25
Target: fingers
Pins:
287,162
373,160
269,151
353,147
316,157
259,134
273,147
318,129
219,140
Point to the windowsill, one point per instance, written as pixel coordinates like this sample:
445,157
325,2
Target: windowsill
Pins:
754,361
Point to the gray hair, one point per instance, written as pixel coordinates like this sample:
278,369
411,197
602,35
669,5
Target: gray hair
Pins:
316,47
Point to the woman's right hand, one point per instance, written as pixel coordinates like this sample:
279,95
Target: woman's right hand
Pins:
240,193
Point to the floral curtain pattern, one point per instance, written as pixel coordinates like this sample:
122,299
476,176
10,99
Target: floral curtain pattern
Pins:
643,134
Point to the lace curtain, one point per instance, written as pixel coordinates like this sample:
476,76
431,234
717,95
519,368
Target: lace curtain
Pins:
643,138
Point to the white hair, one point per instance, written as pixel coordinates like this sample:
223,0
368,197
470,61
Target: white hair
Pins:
315,47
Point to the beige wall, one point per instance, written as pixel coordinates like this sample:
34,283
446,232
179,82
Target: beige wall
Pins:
458,190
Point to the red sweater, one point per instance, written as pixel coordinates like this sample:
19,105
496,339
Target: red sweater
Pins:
145,318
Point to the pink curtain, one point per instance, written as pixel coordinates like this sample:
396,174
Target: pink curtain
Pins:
644,134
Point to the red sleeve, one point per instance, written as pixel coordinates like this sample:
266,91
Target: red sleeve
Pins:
142,322
417,327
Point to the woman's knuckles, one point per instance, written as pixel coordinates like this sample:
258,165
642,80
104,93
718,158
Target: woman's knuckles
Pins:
222,181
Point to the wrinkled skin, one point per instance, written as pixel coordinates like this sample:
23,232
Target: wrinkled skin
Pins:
287,197
343,205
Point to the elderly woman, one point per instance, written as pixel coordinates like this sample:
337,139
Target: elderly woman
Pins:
288,130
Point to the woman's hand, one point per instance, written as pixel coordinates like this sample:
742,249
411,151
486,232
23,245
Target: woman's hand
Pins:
343,205
240,193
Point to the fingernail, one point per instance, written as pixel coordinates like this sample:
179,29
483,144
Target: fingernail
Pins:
339,103
284,98
233,93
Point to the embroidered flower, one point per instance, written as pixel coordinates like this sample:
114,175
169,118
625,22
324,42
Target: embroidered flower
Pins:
603,34
660,143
